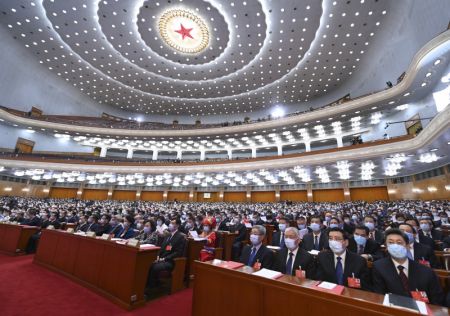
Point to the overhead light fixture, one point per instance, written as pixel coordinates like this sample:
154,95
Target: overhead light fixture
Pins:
428,158
402,107
277,112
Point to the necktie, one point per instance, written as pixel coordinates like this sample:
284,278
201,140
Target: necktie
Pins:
371,236
289,264
360,250
403,278
282,241
316,242
339,271
252,257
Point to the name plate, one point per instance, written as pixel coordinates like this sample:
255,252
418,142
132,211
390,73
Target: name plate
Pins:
106,237
51,227
70,230
90,234
133,243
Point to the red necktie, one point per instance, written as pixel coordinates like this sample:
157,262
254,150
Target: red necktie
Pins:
403,278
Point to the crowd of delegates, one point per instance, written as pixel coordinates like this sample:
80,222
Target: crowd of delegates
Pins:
399,237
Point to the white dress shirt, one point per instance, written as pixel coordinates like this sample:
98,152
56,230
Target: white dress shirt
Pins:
404,264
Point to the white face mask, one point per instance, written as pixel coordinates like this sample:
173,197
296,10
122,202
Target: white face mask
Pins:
336,246
290,243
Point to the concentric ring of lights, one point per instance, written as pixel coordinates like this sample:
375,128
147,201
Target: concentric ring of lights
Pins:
164,23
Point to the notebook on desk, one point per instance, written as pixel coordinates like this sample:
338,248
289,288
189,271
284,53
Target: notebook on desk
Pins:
405,302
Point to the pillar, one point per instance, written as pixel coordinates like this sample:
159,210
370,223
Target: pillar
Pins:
307,147
339,142
179,154
346,188
280,150
155,154
130,153
230,153
277,194
309,192
103,151
253,152
202,154
110,192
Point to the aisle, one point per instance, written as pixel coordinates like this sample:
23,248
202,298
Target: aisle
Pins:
28,289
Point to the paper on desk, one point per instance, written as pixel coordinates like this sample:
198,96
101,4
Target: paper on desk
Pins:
200,238
248,225
327,285
193,233
273,247
421,305
314,252
266,273
146,246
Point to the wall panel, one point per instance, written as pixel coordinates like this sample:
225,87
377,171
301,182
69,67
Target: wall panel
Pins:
156,196
235,196
94,194
369,194
214,197
179,196
295,196
124,195
263,196
328,195
63,193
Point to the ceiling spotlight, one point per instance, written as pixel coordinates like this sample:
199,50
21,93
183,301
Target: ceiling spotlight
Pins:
277,112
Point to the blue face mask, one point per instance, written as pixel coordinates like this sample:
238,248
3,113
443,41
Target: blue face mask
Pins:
290,243
301,226
425,227
370,225
146,230
315,227
397,251
410,237
360,240
334,225
336,246
282,227
254,239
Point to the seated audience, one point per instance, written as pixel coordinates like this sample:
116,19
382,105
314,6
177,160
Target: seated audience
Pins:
317,239
278,236
256,252
148,235
208,251
364,246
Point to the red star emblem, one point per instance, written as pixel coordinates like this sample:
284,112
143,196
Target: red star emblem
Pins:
184,32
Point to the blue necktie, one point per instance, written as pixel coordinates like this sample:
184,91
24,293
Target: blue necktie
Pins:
339,272
282,245
289,264
316,242
252,257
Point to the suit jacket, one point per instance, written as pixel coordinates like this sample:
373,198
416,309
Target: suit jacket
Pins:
420,277
242,232
435,234
222,225
103,229
35,221
82,227
308,241
371,248
302,259
92,227
173,246
276,238
55,224
114,230
126,234
423,252
353,265
263,256
425,240
379,236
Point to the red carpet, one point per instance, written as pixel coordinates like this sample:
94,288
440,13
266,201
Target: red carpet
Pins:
28,289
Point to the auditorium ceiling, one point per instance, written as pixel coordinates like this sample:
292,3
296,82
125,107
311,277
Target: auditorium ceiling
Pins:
198,57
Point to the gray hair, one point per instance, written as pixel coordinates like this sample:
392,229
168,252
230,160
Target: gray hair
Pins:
261,229
292,229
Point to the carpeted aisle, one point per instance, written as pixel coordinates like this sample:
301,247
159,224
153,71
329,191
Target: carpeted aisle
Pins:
28,289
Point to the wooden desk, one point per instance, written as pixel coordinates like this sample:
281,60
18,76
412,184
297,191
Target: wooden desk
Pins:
118,272
194,248
14,238
219,291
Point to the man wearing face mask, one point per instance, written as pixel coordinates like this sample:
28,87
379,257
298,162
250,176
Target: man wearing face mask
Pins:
316,240
292,257
172,247
374,233
257,252
104,225
427,229
420,238
399,275
416,251
256,219
339,265
236,226
278,236
115,225
127,231
363,246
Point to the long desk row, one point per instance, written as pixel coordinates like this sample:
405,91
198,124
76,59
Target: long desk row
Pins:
14,238
116,271
222,291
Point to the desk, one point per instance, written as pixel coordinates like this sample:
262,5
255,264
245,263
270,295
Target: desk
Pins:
14,238
219,291
116,271
228,240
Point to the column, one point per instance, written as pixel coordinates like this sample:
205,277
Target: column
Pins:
249,194
309,192
277,193
230,153
80,190
103,151
179,154
339,142
138,193
155,154
130,153
110,192
165,193
202,154
221,193
308,146
253,152
347,196
280,150
191,195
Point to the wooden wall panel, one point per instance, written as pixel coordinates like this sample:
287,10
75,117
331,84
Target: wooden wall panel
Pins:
369,194
124,195
418,190
179,196
328,195
263,196
235,196
295,196
94,194
17,189
152,196
214,197
63,193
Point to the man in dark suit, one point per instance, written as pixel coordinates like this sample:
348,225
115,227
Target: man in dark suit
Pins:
363,246
32,219
104,227
317,239
339,264
92,223
172,247
418,252
236,226
257,252
374,232
82,224
278,236
293,257
427,229
256,219
399,275
420,238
